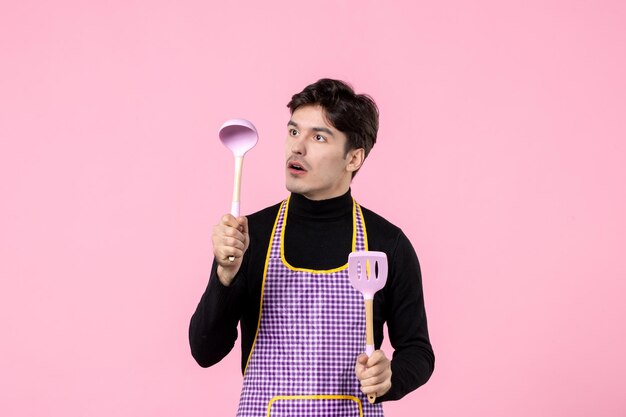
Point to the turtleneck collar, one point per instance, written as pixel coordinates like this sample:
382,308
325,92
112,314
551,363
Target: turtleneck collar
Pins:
332,208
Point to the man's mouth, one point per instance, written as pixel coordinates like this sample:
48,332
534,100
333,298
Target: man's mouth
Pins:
295,166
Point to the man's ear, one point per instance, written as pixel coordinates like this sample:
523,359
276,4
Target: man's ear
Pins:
355,159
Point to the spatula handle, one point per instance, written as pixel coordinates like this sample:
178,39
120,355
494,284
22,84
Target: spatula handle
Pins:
369,336
369,327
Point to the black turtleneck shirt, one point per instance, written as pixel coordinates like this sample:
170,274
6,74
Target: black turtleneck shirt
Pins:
319,236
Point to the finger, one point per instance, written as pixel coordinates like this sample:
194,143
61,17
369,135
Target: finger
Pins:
228,246
230,232
376,371
358,370
376,379
243,224
359,366
229,220
381,368
226,229
377,390
233,243
380,371
224,256
369,390
377,357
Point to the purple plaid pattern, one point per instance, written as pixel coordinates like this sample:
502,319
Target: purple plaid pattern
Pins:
311,330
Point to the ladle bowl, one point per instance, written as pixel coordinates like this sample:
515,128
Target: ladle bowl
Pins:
238,135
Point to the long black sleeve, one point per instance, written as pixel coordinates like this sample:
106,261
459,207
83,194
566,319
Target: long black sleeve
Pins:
401,305
213,327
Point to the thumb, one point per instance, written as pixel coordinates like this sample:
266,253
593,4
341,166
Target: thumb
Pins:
360,367
243,224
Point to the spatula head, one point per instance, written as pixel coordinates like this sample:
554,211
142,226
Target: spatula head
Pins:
367,271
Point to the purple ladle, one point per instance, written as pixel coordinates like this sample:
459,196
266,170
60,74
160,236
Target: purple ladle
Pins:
238,135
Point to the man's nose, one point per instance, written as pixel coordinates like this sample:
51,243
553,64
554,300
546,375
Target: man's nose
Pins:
297,146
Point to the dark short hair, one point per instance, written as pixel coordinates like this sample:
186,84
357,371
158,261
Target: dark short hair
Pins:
356,115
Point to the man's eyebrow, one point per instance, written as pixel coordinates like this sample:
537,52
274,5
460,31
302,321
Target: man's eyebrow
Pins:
317,129
323,129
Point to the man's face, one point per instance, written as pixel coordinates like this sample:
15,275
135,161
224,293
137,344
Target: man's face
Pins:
317,165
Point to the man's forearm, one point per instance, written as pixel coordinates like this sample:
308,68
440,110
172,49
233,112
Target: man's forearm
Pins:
213,326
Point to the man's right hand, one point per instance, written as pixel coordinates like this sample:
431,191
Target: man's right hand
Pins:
230,239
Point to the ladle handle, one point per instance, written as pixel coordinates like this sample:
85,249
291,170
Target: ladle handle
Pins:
234,207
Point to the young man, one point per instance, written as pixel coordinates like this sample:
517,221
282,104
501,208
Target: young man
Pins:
302,324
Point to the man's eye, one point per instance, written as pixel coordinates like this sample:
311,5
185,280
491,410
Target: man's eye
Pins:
293,132
320,138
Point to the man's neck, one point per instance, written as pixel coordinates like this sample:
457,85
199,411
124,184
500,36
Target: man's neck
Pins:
331,208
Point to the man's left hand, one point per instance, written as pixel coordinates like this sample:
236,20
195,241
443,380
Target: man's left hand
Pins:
374,373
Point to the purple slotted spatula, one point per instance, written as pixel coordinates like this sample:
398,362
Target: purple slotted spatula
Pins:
368,273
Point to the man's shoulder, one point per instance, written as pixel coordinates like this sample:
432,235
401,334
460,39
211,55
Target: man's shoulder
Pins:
264,218
273,209
382,235
379,227
375,218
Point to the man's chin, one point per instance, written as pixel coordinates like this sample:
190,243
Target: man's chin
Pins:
293,188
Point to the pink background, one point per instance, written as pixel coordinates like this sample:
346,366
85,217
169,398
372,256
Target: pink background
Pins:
501,154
